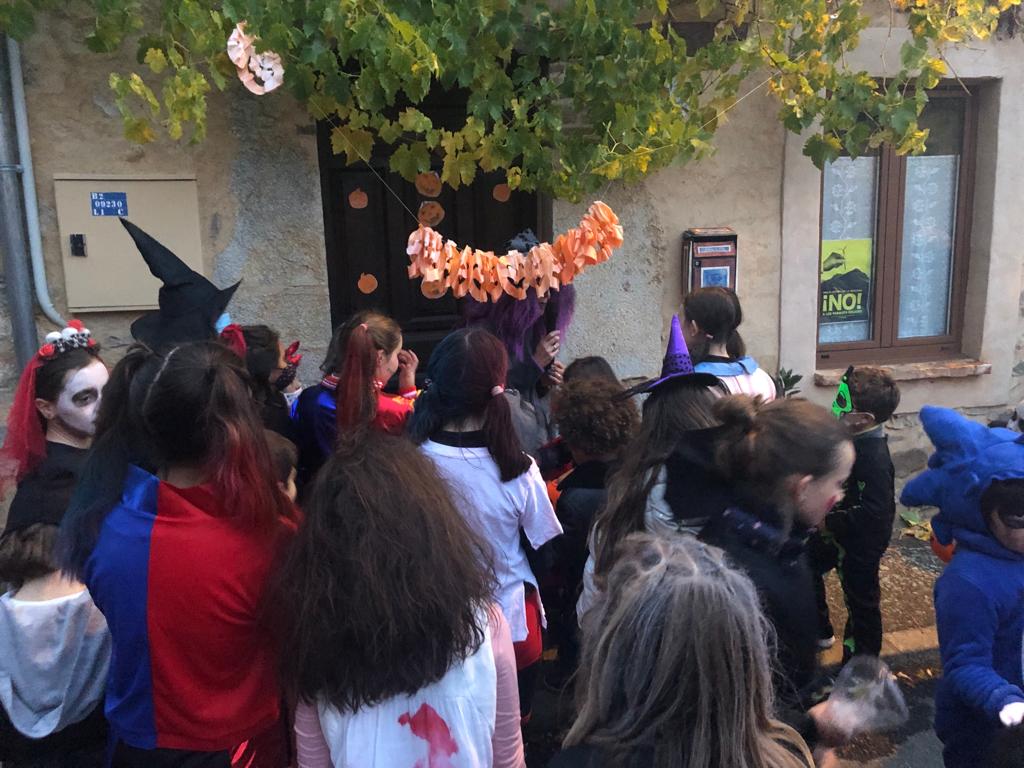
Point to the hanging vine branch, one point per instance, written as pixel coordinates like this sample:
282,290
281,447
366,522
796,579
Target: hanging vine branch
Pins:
561,96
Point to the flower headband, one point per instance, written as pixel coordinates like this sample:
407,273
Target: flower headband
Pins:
75,336
25,443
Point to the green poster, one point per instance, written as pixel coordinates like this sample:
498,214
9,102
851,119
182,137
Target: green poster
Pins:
845,280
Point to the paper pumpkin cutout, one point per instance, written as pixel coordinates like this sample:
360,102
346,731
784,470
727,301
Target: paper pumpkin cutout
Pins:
240,46
367,283
484,275
358,199
428,184
501,193
260,73
431,213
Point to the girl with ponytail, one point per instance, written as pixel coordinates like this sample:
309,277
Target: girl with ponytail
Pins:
464,424
712,319
179,558
787,462
363,356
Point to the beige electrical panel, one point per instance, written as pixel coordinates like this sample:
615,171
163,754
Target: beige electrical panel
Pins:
103,270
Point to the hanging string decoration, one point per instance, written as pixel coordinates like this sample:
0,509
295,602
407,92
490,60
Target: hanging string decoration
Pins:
259,72
484,275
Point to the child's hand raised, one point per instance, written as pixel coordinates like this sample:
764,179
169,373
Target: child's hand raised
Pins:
408,362
547,349
1012,714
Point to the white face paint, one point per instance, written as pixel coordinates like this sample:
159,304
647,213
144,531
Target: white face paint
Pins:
80,398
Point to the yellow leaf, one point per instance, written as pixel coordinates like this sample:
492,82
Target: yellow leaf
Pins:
156,60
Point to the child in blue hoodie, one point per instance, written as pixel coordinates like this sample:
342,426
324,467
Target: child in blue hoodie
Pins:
976,479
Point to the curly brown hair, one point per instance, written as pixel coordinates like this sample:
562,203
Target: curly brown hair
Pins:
385,587
873,391
591,418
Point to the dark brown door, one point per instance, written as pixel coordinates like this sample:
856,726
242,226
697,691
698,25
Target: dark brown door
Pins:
371,240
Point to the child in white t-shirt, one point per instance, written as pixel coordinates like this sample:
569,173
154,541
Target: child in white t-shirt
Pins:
463,423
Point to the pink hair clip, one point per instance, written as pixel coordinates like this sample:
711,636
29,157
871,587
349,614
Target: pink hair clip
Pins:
497,390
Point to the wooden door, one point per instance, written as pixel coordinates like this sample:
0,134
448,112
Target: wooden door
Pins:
372,240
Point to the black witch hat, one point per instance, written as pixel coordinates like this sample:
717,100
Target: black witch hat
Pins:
189,303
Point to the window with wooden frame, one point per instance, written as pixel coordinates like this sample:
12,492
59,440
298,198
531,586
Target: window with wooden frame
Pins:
895,241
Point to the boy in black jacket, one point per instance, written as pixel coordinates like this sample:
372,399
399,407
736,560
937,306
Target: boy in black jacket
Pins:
856,535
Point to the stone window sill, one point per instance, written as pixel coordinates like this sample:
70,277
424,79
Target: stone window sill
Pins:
939,369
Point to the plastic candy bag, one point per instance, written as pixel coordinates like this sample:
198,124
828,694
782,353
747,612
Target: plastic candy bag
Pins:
866,698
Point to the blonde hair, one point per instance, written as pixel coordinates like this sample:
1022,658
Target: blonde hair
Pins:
678,660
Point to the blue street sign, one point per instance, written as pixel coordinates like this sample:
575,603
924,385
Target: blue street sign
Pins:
109,203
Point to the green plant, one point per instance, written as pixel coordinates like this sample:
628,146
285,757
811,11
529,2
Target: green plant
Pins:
563,96
786,382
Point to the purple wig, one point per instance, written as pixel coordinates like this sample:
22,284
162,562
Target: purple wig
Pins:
520,323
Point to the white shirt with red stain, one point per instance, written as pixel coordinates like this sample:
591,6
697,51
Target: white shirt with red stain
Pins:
468,718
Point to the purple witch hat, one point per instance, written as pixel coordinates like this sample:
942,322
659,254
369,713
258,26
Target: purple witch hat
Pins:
677,366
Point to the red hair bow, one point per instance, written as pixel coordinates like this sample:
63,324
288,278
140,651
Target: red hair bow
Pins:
234,338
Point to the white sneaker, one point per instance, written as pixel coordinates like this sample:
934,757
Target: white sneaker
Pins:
826,642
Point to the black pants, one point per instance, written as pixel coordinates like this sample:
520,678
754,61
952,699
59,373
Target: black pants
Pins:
855,553
80,745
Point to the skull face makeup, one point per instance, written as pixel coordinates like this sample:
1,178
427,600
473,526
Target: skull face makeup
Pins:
72,417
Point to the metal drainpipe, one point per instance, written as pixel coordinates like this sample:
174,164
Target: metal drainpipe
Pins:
16,272
28,185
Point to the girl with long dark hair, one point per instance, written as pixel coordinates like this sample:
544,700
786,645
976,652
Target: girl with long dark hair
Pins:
787,461
679,402
54,644
678,671
175,527
386,613
463,423
365,352
712,317
261,348
533,330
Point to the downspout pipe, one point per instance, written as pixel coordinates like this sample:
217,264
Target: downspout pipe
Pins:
28,185
17,277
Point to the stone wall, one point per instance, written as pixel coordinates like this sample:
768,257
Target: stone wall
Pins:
624,306
257,176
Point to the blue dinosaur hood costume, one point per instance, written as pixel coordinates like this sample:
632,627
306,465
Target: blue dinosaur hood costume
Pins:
968,458
979,612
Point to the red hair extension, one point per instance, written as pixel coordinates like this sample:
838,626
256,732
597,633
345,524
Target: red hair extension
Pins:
245,475
234,339
25,444
357,396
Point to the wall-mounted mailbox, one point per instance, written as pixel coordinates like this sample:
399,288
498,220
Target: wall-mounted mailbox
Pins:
709,258
103,270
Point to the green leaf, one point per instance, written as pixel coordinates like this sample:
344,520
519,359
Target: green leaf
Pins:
356,144
389,132
17,19
414,121
822,149
410,159
911,516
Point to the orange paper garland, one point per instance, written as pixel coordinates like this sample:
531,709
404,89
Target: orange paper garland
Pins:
485,275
